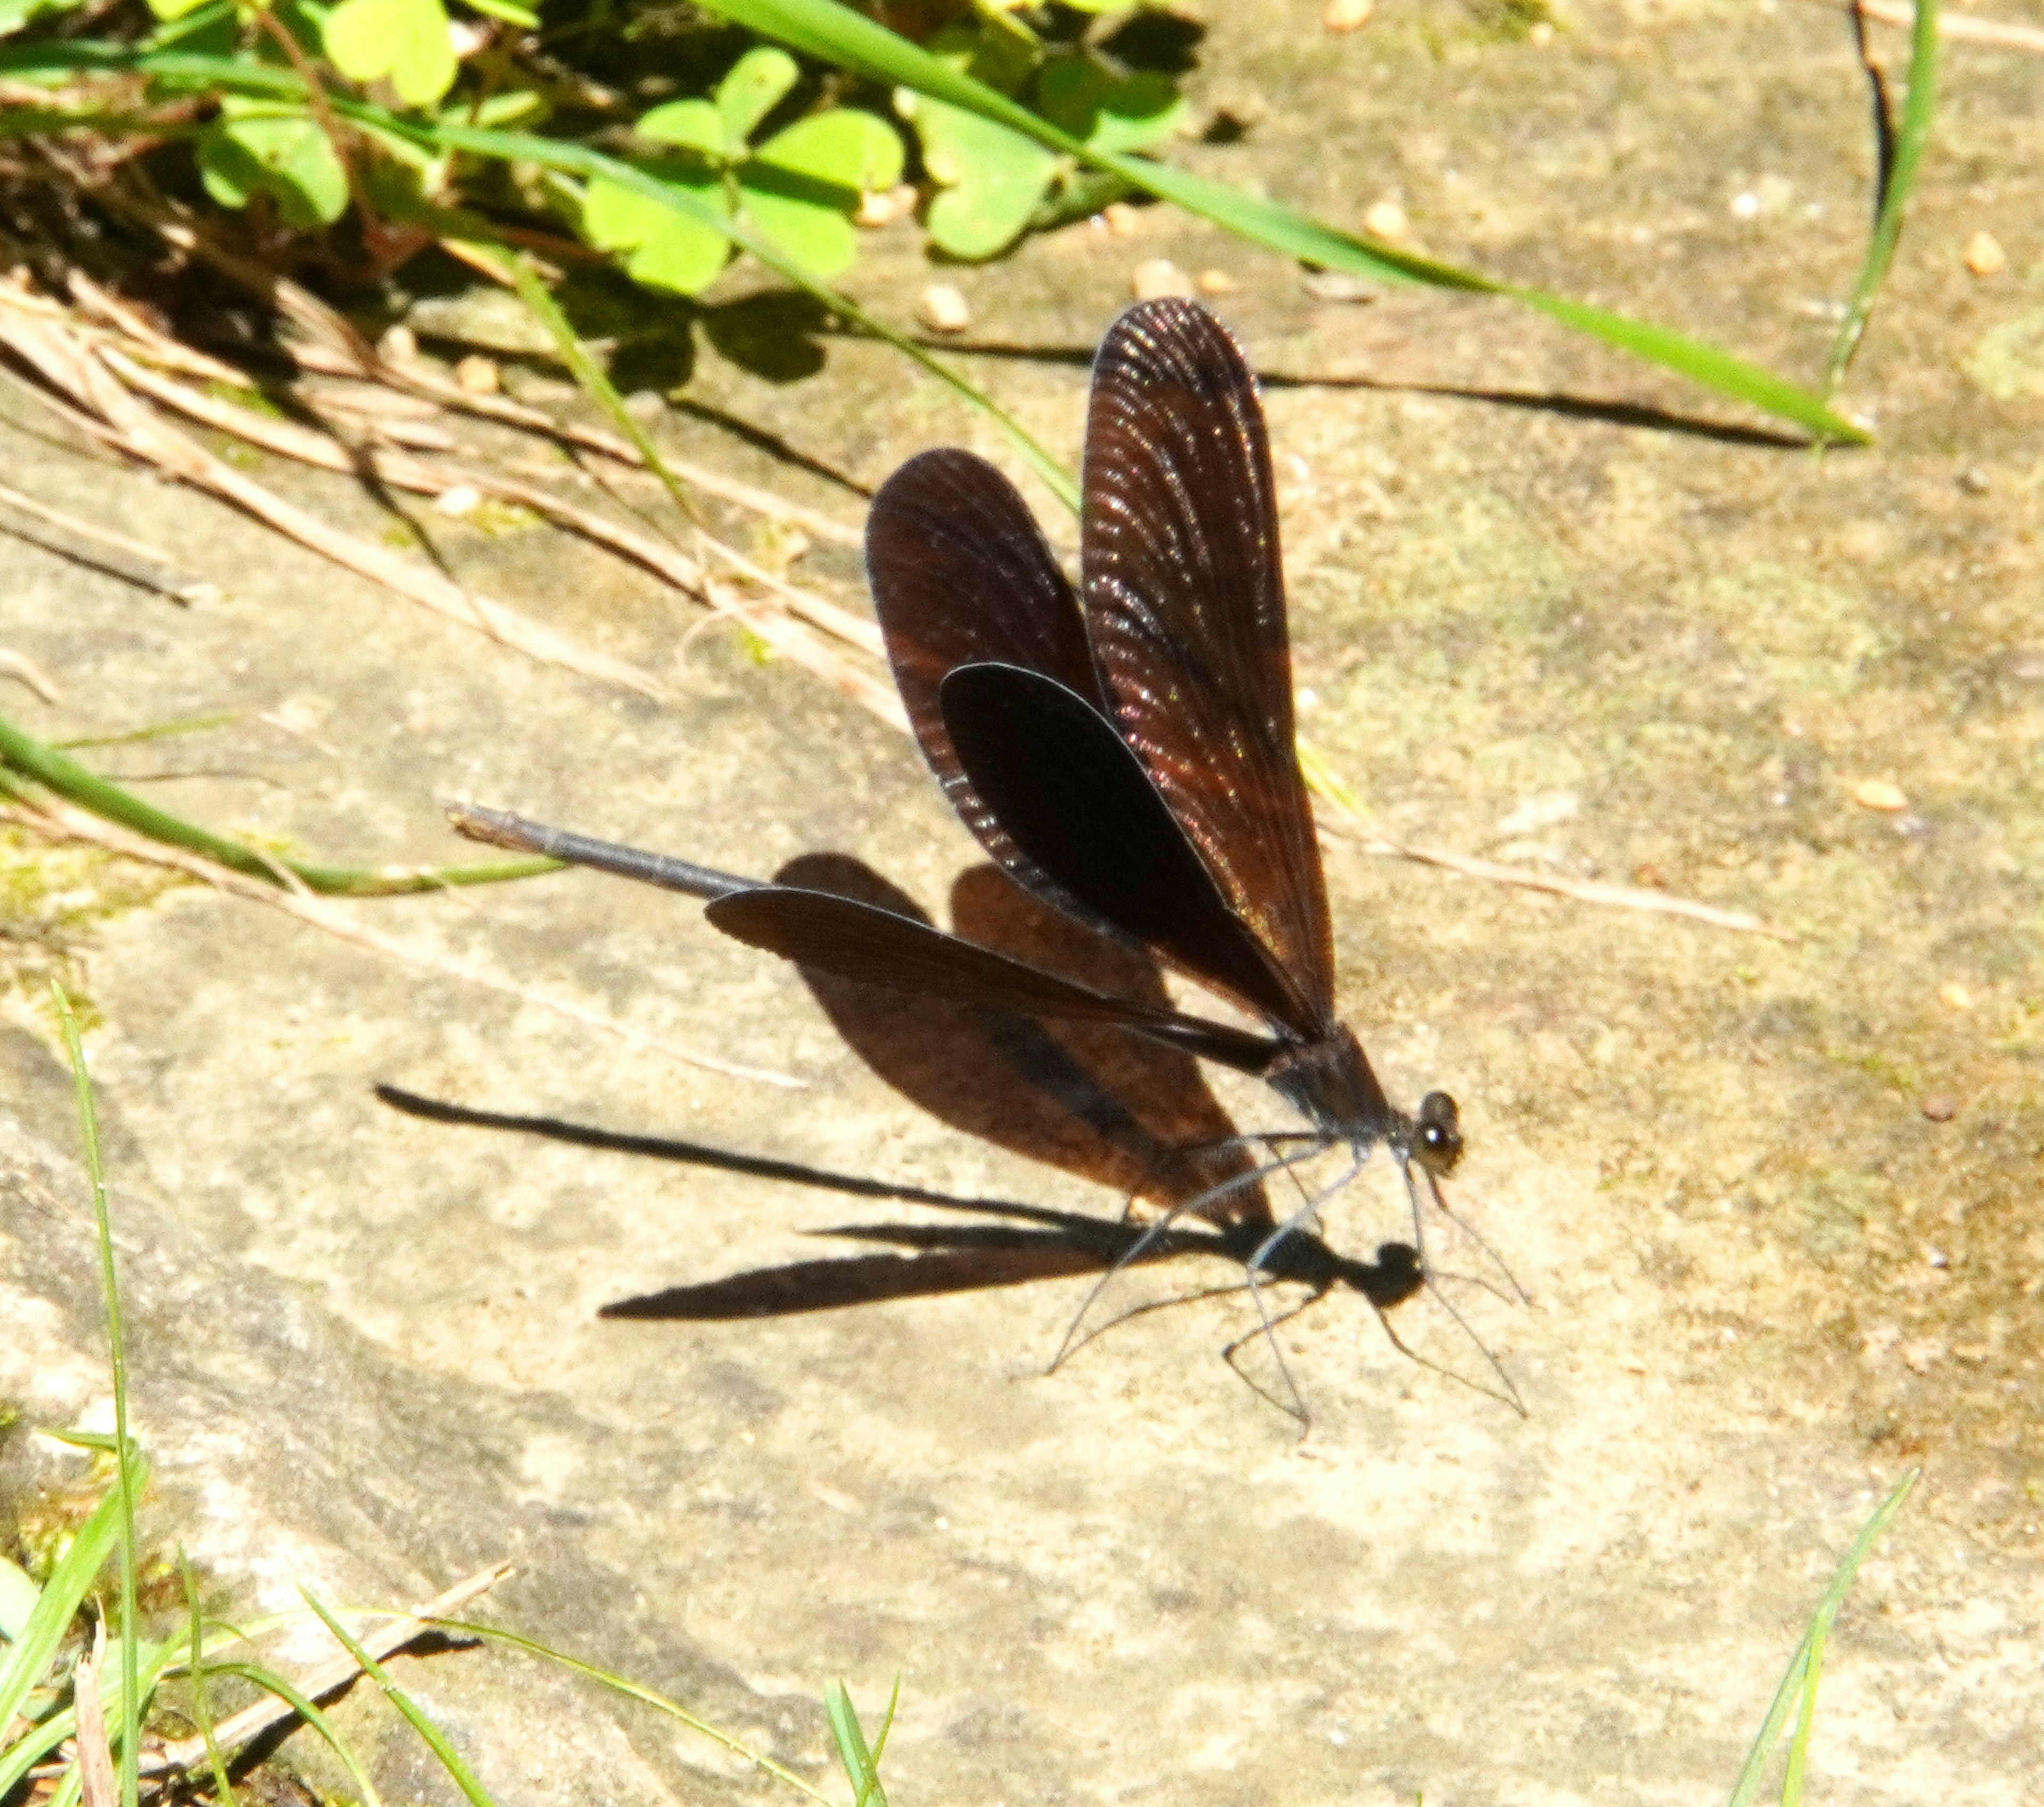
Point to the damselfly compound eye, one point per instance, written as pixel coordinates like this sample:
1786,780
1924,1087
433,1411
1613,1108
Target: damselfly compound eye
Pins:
1438,1142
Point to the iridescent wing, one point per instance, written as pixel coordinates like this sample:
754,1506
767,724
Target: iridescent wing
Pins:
1185,613
961,574
1073,796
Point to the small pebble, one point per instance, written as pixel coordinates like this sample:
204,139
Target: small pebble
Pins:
645,405
1340,286
883,206
1985,256
1954,996
399,344
1650,876
478,375
1119,217
1347,15
1157,277
458,502
1387,220
1769,195
1939,1109
943,310
1540,33
1216,282
538,391
1921,1354
1878,794
1974,482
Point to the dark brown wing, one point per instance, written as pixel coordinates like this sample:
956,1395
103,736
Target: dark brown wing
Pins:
1066,786
961,573
856,940
1184,611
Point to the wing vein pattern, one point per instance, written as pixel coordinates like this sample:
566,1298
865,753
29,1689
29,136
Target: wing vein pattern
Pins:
1185,613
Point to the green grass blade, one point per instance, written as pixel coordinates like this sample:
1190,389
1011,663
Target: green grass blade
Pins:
38,121
539,301
201,18
35,759
636,1691
69,1787
57,60
1797,1767
125,1488
223,1788
29,1656
271,1683
17,1758
1799,1683
1704,365
158,730
1918,111
51,1732
834,33
435,1740
860,1766
100,1443
887,1722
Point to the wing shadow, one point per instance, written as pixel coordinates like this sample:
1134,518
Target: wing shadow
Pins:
1088,1098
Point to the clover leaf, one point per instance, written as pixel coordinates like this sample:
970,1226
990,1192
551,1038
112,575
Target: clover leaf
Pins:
664,249
693,124
15,14
991,181
755,84
800,188
275,148
1127,112
408,40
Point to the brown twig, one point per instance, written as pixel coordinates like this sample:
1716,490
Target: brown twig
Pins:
501,408
20,665
1582,891
1959,27
97,1787
376,236
158,347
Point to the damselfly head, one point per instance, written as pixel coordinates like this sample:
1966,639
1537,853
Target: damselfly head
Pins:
1437,1134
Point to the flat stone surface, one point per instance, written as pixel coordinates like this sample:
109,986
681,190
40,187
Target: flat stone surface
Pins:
1774,1202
